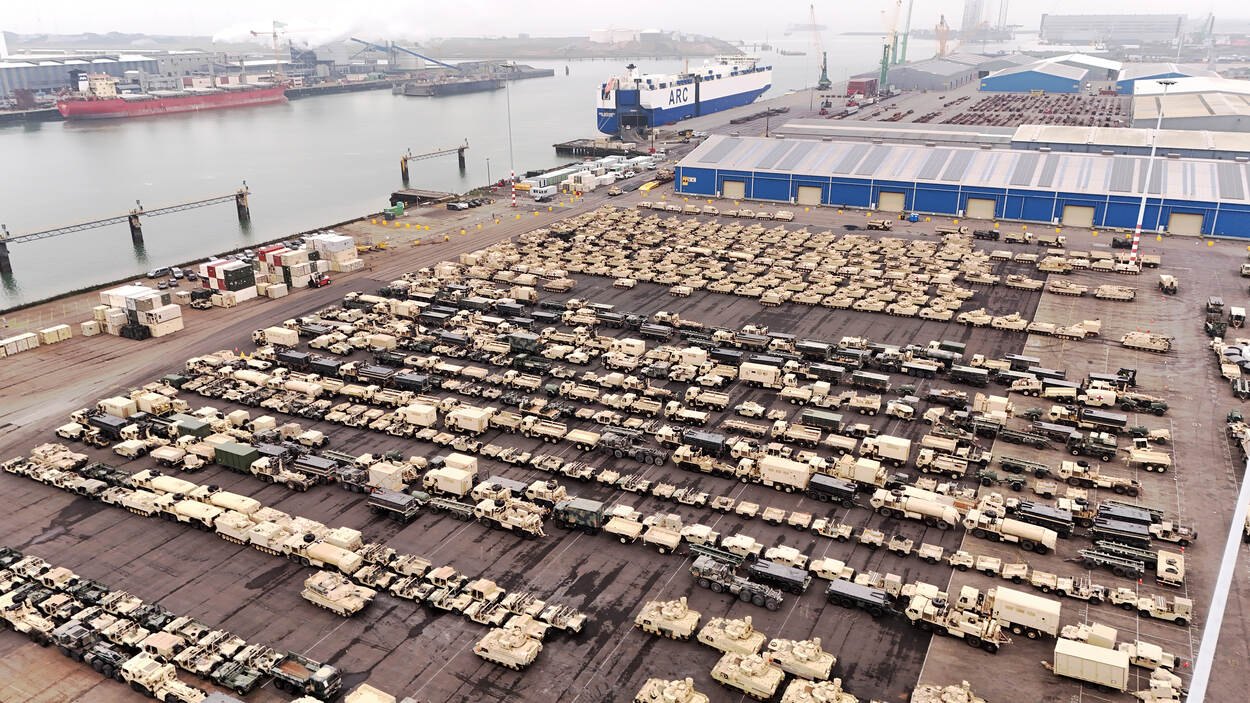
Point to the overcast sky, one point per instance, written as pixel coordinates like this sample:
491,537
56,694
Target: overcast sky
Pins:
419,19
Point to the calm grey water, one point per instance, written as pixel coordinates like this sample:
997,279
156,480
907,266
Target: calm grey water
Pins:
309,162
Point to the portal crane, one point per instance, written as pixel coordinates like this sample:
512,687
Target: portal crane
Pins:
823,83
397,47
943,31
277,61
902,50
891,47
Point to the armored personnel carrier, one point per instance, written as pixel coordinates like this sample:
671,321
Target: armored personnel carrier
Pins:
508,646
662,691
748,673
335,593
671,619
803,658
801,691
735,636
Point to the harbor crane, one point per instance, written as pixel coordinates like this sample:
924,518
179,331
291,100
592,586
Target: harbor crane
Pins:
278,28
823,83
395,47
891,46
901,56
943,31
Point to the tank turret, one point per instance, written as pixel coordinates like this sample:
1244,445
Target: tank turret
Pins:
749,673
672,619
508,646
664,691
804,658
732,635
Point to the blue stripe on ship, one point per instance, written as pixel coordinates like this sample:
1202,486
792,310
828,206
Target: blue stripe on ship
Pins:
608,123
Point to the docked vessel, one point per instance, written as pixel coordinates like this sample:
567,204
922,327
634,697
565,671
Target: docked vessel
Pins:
635,100
167,102
455,86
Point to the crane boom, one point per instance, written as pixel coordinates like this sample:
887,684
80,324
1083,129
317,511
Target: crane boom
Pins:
406,51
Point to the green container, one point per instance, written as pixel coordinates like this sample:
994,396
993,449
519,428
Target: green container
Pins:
238,457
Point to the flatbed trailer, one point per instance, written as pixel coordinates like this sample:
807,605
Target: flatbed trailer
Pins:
1016,465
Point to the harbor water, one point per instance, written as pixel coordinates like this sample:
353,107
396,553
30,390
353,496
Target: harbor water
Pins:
309,162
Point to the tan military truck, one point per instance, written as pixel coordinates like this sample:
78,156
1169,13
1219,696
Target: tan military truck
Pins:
157,680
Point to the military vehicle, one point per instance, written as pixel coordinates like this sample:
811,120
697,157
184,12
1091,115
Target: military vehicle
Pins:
334,592
732,635
1146,341
156,680
803,658
508,646
749,673
671,619
301,675
719,576
803,691
663,691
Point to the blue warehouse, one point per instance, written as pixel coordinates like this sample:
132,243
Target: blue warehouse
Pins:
1187,195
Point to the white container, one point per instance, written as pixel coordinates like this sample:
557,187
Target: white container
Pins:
465,462
386,475
90,328
162,329
97,313
52,335
1087,662
277,290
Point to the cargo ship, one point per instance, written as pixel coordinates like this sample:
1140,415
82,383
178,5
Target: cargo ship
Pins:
167,102
636,101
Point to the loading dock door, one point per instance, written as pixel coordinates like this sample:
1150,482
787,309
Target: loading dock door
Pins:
734,189
809,195
1078,216
979,209
891,202
1182,223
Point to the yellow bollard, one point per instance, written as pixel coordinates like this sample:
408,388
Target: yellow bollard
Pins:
1159,238
407,226
955,222
735,202
839,212
709,201
926,219
1024,227
995,225
1056,230
535,213
373,221
1095,233
807,209
462,232
446,238
548,208
479,225
1210,243
416,242
518,217
496,221
396,225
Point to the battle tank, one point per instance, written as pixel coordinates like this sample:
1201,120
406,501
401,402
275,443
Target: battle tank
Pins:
671,619
732,636
326,589
508,646
803,658
750,674
802,691
663,691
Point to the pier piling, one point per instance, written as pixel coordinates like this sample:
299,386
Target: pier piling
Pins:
240,204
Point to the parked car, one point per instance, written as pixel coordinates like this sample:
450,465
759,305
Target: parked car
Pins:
158,273
457,206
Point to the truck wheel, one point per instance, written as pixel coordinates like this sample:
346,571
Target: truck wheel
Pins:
772,604
704,583
618,453
978,532
745,596
718,587
1132,491
1073,481
1119,489
1027,545
973,641
140,688
876,611
991,647
1183,622
1076,452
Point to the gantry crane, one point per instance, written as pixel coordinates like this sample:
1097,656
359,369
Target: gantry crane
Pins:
890,47
396,47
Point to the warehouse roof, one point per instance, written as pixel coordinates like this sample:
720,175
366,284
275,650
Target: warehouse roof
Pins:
1087,61
1191,105
1075,73
1133,71
897,132
938,67
1196,84
1184,179
1110,137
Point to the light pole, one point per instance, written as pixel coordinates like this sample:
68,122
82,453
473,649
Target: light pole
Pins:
507,90
488,180
1150,169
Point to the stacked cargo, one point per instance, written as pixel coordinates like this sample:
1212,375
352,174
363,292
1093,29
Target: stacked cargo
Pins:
90,328
18,344
52,335
163,320
339,251
232,282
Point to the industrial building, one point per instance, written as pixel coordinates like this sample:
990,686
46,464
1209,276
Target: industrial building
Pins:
986,65
45,70
1111,29
929,74
1133,72
1219,104
1043,76
1189,196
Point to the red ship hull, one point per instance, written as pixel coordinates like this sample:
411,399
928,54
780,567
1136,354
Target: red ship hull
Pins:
110,108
